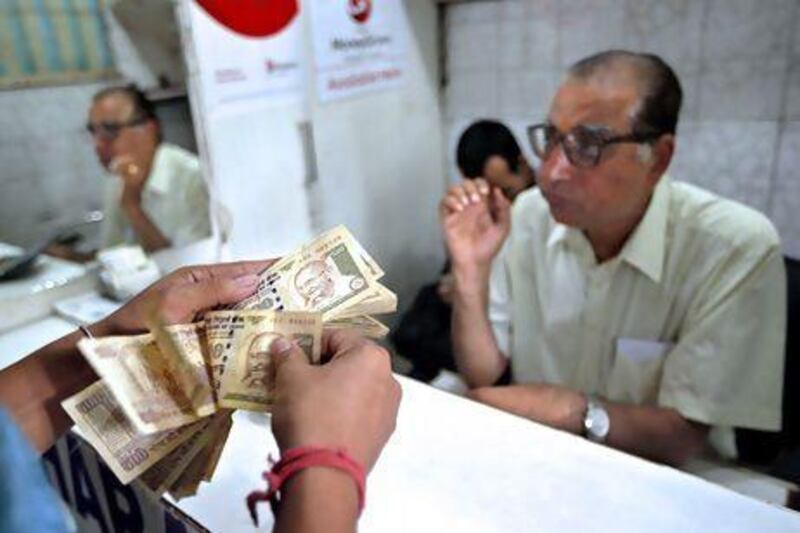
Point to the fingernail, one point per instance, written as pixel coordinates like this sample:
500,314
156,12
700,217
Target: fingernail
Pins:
280,346
475,198
484,189
247,280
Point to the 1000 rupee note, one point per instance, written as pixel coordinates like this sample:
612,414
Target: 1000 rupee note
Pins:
126,451
155,392
326,275
248,381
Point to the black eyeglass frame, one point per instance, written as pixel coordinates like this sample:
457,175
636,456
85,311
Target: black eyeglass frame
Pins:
110,130
600,144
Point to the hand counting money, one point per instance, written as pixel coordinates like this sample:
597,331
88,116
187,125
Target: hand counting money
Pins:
162,409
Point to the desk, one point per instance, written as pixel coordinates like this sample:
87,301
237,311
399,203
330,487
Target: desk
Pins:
31,297
454,465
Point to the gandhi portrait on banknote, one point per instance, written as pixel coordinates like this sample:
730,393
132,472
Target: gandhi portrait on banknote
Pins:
319,283
259,372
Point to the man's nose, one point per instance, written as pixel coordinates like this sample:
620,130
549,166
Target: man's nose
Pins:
559,166
100,143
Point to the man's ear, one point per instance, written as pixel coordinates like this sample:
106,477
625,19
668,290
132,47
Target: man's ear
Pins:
153,127
662,151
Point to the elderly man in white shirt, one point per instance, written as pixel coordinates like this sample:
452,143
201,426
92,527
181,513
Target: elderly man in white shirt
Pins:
632,309
157,197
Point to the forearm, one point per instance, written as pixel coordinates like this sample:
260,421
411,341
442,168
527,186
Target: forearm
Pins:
318,499
32,389
477,355
656,433
148,234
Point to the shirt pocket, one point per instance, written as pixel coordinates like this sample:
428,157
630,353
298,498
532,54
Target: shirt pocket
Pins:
636,372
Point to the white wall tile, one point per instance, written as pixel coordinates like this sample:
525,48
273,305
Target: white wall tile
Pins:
526,93
670,29
791,103
467,13
786,193
472,93
473,47
733,159
747,29
743,89
590,26
542,35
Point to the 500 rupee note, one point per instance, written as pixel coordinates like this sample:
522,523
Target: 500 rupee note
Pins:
248,381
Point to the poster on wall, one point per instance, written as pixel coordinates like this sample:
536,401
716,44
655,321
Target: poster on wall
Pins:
359,46
246,59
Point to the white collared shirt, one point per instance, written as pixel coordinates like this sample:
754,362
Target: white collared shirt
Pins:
175,198
690,315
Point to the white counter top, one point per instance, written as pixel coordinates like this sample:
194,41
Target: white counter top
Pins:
454,465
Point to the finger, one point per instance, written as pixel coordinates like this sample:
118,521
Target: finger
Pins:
228,270
472,191
186,301
501,208
337,342
286,356
459,193
451,205
483,186
119,162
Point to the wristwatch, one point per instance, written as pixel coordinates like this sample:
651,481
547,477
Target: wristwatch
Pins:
596,423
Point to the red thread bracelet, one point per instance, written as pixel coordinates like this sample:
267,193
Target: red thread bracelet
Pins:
296,459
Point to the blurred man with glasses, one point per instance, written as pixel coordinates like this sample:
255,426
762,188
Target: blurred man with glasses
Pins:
638,311
157,197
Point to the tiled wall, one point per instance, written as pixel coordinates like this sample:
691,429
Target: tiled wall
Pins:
738,61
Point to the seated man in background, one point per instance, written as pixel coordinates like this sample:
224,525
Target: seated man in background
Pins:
486,149
631,309
158,198
356,387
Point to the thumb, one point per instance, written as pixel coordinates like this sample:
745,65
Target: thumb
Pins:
286,355
501,208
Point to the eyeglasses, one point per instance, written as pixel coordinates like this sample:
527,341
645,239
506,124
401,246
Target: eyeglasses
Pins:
582,145
109,131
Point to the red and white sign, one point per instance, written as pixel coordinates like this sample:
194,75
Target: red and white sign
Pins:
359,46
247,50
252,18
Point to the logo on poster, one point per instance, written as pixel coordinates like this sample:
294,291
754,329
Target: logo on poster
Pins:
359,10
253,18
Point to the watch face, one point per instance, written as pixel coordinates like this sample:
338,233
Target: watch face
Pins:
597,423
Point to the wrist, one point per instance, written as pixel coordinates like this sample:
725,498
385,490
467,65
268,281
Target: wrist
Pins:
103,328
470,280
313,477
316,483
132,206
